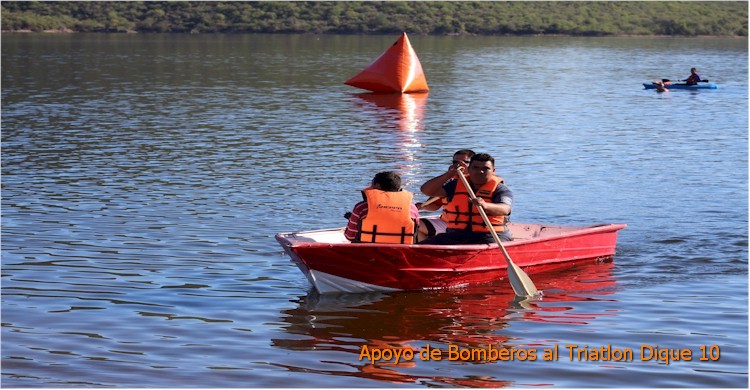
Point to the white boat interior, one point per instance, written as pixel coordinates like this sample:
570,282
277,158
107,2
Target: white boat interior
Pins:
519,232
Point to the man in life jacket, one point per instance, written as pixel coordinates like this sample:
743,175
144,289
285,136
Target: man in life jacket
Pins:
694,77
387,215
432,226
464,223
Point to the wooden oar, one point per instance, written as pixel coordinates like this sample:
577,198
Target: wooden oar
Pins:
519,280
430,201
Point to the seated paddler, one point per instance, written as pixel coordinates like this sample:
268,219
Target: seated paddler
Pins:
429,227
465,224
386,215
694,77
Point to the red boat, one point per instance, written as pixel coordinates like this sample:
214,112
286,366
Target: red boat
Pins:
333,264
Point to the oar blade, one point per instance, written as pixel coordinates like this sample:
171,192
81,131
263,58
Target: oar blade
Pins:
520,281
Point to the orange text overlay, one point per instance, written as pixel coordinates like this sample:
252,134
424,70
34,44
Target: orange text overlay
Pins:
571,352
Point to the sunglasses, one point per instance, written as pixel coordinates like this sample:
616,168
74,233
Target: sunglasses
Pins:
455,162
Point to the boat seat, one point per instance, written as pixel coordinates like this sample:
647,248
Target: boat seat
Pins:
525,231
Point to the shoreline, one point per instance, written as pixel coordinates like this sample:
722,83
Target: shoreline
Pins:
69,31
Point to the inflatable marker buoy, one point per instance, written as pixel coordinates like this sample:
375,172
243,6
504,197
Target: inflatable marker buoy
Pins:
396,70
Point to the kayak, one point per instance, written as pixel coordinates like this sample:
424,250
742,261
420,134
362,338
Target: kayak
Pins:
334,265
683,86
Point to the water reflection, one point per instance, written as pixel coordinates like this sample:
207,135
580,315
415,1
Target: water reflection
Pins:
475,317
407,110
402,112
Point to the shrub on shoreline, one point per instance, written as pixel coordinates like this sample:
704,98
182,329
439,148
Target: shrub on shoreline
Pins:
579,18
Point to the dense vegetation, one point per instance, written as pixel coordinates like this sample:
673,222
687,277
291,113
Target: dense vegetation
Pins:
686,18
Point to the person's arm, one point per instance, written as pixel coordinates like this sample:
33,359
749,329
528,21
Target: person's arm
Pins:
430,207
414,214
502,201
493,208
359,211
434,186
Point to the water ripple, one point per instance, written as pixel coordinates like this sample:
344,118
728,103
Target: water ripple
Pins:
143,179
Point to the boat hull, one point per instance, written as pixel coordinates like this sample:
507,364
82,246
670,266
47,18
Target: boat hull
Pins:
345,267
683,86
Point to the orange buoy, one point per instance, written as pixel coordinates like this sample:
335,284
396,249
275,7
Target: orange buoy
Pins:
396,70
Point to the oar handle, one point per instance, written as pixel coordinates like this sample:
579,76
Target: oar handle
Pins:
429,202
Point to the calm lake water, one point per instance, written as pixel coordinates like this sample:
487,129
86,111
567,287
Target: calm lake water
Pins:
144,177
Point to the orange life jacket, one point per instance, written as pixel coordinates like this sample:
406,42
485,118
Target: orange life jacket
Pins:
444,201
460,213
388,218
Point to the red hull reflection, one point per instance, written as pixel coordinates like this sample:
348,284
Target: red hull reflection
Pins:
467,318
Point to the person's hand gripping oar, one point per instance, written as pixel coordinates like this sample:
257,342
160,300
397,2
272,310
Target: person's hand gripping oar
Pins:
519,280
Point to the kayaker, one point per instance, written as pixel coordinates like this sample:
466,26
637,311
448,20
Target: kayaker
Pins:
465,225
431,227
386,215
660,87
694,78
